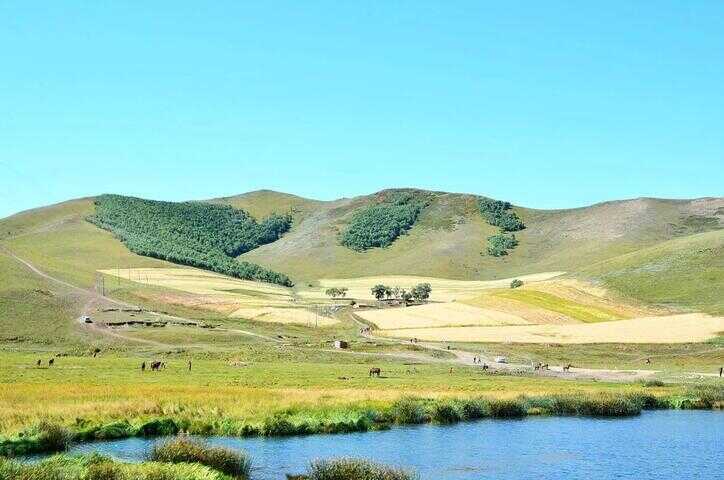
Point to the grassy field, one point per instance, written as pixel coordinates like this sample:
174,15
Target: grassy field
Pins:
79,391
550,302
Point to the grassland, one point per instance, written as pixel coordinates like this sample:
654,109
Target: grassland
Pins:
235,397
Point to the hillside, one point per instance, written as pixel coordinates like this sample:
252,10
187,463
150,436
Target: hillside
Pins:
643,248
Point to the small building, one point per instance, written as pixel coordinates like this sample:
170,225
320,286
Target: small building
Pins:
342,344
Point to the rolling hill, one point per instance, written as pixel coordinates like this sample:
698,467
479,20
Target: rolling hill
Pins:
654,251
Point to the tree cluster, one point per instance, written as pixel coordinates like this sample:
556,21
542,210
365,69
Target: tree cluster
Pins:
497,213
335,292
500,243
419,293
192,233
379,225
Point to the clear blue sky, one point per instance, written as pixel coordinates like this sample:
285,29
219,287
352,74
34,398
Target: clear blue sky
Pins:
546,104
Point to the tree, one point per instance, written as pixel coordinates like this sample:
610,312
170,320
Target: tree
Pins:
336,292
421,291
379,291
396,292
388,293
405,296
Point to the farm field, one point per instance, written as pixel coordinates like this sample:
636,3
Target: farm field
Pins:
233,297
443,290
682,328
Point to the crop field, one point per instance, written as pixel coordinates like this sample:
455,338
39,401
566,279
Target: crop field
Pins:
439,315
682,328
443,290
263,302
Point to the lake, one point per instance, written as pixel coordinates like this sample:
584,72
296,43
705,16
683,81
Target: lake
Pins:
655,445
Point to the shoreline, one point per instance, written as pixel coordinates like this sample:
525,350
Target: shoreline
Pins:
47,437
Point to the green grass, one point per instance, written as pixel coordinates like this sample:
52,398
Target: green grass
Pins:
182,450
96,467
355,469
685,272
578,311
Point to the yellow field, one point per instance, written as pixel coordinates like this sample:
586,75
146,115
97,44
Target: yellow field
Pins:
439,315
236,298
684,328
299,316
443,290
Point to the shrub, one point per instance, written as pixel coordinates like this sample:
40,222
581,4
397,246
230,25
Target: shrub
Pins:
444,412
506,409
181,450
277,426
516,283
158,426
355,469
472,409
52,437
408,411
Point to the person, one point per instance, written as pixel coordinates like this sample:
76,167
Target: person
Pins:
721,371
189,365
143,367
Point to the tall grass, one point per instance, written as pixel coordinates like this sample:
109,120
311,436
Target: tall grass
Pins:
355,469
96,467
183,450
409,410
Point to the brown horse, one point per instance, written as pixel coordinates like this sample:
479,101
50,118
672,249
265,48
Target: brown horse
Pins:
155,366
375,372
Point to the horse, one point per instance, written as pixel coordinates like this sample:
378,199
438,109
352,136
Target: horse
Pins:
51,362
567,367
39,363
375,371
485,366
155,366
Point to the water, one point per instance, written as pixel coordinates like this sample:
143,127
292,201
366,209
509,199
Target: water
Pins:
655,445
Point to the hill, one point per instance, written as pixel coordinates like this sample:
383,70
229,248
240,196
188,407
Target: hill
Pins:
652,250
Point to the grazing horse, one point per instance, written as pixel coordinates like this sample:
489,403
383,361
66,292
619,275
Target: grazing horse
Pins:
485,366
375,372
567,367
544,367
537,366
51,362
155,366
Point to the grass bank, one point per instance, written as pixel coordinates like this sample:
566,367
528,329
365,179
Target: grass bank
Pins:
47,436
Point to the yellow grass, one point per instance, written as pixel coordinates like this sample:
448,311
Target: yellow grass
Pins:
443,290
237,298
685,328
439,315
299,316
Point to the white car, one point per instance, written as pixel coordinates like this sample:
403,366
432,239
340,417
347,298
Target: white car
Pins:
501,360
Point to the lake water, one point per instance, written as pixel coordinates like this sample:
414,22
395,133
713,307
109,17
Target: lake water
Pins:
656,445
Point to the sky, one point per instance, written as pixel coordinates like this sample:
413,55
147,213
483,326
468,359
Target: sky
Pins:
550,104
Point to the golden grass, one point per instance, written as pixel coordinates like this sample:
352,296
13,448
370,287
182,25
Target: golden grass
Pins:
439,315
443,290
685,328
299,316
